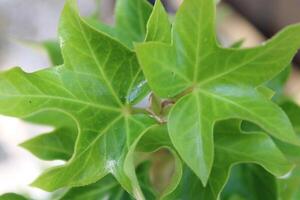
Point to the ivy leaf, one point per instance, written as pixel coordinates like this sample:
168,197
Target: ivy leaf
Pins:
53,49
230,150
57,145
288,188
277,84
131,19
250,182
158,26
48,146
293,111
216,83
131,15
191,188
157,138
109,188
106,188
95,87
12,196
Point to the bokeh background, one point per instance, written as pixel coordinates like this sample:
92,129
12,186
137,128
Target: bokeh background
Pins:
24,24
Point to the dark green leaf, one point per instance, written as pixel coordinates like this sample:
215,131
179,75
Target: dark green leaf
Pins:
250,182
12,196
109,188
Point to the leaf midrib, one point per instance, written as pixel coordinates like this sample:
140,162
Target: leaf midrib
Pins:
103,74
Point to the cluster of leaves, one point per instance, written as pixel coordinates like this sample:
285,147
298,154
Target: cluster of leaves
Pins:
212,109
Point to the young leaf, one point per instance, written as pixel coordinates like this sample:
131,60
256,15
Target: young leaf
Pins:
95,87
159,27
217,83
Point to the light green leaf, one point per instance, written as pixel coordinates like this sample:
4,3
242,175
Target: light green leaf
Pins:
57,145
127,21
95,87
159,27
288,186
216,83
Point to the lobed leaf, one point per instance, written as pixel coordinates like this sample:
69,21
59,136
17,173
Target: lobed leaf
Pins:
95,87
230,150
214,83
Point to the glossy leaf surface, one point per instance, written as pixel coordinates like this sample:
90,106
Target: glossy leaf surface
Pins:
100,78
216,83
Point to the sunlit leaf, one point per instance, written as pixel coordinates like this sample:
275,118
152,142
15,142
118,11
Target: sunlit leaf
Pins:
214,83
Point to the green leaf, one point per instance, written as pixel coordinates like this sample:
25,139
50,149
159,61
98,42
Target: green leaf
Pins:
155,139
159,27
106,188
250,182
54,140
293,111
57,145
288,187
12,196
109,188
96,86
238,44
54,52
230,150
131,20
277,84
216,83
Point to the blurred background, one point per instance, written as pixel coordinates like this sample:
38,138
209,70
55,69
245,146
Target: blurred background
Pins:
24,24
